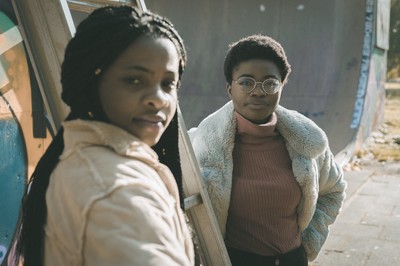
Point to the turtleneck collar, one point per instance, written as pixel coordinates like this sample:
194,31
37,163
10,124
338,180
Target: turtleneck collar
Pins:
249,132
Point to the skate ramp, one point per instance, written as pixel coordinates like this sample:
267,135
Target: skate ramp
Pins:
328,43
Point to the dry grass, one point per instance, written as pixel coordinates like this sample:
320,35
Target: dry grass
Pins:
384,144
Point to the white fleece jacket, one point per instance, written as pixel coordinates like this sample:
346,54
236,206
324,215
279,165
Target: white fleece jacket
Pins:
320,178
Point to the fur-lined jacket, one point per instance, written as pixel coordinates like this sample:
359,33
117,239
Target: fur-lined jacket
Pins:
320,178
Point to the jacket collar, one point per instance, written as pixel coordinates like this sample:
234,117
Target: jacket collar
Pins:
299,132
81,133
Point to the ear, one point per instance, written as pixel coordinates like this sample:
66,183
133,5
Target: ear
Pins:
229,90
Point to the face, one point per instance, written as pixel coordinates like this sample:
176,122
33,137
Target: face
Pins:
255,106
138,92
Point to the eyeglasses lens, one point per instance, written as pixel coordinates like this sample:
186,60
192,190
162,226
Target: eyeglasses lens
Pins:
246,84
270,86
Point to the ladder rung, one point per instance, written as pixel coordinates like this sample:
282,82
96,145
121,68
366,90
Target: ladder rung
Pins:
193,201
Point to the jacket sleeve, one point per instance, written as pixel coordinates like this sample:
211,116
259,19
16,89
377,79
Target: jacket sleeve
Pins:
133,226
330,199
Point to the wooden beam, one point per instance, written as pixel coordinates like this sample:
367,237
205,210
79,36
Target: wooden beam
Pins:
46,27
213,250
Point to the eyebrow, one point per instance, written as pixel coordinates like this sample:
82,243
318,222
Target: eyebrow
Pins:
143,69
139,68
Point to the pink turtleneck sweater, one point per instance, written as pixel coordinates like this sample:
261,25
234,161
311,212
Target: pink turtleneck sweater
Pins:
262,216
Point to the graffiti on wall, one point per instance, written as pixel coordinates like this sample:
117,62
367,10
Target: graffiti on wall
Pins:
365,61
22,140
13,164
376,95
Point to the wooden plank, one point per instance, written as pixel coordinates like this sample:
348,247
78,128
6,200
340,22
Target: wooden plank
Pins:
213,250
90,5
46,27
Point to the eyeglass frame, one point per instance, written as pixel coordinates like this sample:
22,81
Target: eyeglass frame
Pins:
262,85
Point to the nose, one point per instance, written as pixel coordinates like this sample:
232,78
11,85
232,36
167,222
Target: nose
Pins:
256,91
157,98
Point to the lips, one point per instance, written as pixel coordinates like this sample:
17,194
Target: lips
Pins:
158,118
151,122
257,103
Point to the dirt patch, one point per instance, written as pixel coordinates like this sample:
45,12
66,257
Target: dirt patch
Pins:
384,144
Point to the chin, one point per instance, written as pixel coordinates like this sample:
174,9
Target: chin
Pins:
152,142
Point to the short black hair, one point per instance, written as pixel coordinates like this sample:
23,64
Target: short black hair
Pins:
256,47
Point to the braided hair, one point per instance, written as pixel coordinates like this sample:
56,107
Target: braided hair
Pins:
256,47
98,41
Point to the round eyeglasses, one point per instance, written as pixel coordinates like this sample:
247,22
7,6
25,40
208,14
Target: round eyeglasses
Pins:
268,86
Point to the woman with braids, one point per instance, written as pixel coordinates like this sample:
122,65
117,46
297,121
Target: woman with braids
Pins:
270,174
102,194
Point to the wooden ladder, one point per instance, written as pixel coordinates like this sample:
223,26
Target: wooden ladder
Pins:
46,27
198,204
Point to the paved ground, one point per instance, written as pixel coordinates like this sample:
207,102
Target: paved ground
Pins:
367,232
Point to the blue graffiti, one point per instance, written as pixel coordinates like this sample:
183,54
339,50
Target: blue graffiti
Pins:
365,61
13,169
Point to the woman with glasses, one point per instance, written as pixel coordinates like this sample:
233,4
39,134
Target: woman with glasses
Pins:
270,174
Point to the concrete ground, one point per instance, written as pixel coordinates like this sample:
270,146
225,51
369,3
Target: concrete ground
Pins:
367,232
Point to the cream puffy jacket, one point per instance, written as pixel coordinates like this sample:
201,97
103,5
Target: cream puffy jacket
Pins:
320,178
110,202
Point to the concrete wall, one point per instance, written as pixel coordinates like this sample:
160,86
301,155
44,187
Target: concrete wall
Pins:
330,45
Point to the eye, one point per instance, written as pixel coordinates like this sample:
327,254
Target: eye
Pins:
245,81
169,85
132,80
272,83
